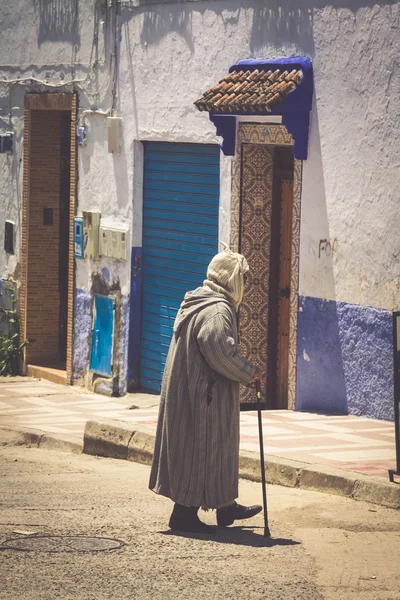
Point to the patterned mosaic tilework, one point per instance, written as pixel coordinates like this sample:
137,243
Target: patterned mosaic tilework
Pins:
266,136
348,442
256,243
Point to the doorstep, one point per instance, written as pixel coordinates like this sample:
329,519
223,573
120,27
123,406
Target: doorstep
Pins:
48,373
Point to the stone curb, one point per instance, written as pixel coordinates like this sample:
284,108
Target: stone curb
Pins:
39,439
116,439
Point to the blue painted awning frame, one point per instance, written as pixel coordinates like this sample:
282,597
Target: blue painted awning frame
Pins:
294,110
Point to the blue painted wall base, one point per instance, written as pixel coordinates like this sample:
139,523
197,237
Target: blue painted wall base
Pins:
83,336
344,359
82,332
135,315
122,351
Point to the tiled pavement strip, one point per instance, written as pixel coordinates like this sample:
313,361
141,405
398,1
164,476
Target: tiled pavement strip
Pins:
351,443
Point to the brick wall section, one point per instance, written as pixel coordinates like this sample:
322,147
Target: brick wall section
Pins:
43,240
24,232
71,259
46,102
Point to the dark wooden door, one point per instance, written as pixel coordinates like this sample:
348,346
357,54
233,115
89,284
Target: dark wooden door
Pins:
285,256
65,166
280,276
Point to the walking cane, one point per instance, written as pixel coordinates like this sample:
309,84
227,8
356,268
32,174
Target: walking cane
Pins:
267,532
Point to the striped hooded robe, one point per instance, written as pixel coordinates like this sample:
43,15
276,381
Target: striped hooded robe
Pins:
196,454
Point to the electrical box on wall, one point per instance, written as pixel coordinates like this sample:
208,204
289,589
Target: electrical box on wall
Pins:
114,133
6,142
78,238
113,242
9,237
91,225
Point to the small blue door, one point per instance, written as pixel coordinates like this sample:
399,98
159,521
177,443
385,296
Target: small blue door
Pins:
180,236
102,335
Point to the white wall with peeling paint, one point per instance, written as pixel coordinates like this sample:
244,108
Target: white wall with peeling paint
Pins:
105,185
43,45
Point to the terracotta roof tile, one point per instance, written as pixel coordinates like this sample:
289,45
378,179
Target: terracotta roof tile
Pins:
250,91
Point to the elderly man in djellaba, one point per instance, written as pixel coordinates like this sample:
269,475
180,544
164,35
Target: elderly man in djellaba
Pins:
196,454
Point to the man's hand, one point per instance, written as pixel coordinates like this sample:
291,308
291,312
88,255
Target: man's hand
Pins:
256,375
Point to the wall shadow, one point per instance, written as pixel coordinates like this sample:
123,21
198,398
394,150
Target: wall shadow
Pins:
281,23
58,21
321,382
120,164
292,22
344,350
285,23
157,24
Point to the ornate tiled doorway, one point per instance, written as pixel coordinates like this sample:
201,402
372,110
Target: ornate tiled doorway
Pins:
265,228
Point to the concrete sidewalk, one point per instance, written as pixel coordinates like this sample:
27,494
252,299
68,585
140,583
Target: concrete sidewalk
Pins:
333,453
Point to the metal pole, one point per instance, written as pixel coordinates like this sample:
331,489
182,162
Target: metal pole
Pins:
396,385
267,532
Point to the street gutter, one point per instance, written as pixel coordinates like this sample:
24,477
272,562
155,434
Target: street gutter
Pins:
116,439
34,438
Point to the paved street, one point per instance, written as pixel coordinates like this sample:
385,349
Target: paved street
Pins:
351,443
324,547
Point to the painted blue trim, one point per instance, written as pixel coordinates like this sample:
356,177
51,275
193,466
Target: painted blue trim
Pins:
298,127
292,62
344,359
226,128
298,101
295,109
135,318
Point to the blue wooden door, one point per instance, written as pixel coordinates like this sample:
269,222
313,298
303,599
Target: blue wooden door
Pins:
180,236
102,335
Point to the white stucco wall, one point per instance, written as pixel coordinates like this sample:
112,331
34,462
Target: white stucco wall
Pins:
352,177
168,55
105,185
10,209
171,53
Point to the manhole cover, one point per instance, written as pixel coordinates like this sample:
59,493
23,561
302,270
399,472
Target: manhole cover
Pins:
60,543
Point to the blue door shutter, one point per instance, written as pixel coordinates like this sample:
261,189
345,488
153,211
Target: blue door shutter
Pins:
180,236
102,335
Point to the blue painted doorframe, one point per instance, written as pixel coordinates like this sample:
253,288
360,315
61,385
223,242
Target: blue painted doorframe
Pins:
135,311
180,236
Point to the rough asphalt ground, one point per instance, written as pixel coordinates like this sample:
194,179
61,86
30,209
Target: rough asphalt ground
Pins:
324,547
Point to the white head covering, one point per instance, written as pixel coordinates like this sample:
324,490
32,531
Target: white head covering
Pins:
225,274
